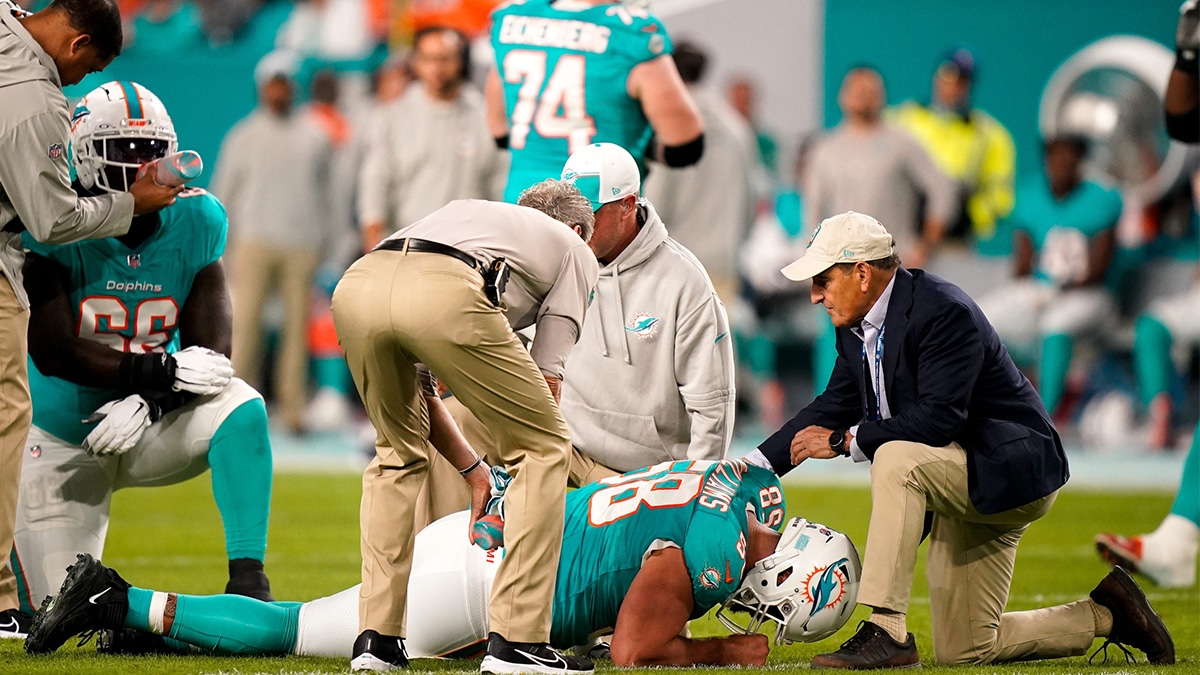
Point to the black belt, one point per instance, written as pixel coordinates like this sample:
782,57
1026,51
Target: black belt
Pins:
426,246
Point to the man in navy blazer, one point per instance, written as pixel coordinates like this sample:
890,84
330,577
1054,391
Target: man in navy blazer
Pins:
925,391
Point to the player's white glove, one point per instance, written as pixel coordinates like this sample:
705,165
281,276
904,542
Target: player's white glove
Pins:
200,370
1187,32
121,425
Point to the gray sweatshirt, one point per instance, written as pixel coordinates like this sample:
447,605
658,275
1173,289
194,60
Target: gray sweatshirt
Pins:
651,378
882,174
35,184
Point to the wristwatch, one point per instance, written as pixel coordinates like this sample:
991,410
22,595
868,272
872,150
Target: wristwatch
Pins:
837,442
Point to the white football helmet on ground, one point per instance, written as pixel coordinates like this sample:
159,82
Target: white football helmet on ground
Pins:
808,586
116,128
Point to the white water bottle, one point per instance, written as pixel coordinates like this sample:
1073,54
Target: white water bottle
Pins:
175,170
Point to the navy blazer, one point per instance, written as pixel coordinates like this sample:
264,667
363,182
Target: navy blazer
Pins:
948,378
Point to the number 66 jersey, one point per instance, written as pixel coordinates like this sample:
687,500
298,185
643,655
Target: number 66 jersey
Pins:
563,66
128,299
612,525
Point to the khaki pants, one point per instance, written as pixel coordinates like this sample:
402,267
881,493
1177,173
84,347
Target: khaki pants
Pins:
16,413
256,270
583,469
970,561
393,310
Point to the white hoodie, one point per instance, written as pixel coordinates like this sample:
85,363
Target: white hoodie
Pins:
651,378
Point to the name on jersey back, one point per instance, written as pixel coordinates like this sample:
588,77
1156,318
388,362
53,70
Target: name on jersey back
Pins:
533,31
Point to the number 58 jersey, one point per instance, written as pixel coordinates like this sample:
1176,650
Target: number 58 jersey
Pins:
564,68
614,524
128,299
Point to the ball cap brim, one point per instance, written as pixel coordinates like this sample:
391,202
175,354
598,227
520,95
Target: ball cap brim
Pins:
845,238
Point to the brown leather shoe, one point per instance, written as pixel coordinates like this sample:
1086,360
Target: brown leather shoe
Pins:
1135,623
871,647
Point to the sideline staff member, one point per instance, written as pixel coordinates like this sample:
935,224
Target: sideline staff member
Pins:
39,54
951,427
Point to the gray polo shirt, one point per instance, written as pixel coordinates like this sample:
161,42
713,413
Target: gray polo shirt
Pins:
553,270
35,183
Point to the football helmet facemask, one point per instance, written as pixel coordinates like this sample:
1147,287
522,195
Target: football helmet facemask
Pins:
808,586
116,128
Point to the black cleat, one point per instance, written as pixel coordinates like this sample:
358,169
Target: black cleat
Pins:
14,623
92,597
516,658
246,577
130,642
376,652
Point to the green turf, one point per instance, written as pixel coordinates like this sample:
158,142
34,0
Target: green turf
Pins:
170,538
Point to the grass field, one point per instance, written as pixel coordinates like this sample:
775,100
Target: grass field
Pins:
170,539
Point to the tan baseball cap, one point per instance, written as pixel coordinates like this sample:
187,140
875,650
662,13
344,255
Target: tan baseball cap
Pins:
845,238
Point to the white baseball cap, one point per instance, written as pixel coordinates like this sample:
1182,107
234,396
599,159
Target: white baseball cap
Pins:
845,238
603,172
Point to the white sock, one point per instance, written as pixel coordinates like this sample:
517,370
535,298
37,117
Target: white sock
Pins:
1169,552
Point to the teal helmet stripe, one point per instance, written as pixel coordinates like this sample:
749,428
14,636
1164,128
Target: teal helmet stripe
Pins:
133,102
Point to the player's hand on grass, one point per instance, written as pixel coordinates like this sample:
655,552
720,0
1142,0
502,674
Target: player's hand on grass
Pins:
122,423
200,370
747,650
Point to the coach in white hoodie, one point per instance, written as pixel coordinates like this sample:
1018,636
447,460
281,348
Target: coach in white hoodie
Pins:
651,378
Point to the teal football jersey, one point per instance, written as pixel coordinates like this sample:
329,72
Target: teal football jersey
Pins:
127,299
613,524
564,73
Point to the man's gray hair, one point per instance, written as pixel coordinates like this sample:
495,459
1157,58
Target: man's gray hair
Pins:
563,202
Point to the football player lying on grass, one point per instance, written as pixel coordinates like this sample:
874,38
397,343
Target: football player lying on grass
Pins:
643,553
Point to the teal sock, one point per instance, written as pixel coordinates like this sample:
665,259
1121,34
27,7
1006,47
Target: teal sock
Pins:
1056,361
1187,500
824,353
224,624
1152,357
240,458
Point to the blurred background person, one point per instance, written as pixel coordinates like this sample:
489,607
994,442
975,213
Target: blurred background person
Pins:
967,144
273,174
869,166
431,146
743,96
1063,240
709,206
1164,336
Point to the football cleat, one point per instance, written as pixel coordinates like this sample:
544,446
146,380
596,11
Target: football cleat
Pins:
92,597
130,642
516,658
14,624
1170,565
379,653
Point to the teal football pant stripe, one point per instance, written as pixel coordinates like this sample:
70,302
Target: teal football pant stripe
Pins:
1187,500
225,624
240,458
1152,358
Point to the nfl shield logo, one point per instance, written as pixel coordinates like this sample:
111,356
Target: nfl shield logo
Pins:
55,150
134,260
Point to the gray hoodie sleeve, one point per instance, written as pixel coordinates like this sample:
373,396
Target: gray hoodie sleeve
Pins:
704,371
33,171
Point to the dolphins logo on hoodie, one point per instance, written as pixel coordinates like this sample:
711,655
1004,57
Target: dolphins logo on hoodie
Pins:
644,326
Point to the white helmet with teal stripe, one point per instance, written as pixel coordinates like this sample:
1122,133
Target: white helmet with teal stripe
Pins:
116,128
808,586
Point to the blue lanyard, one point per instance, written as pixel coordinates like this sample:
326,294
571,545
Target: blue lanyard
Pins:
875,372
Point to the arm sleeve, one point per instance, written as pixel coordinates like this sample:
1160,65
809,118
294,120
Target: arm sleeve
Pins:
373,184
949,360
940,191
704,373
555,337
39,187
838,407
